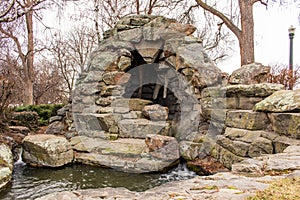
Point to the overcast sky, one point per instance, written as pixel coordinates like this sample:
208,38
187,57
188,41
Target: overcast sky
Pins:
271,37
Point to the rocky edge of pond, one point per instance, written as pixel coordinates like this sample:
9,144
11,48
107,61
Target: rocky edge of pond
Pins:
243,181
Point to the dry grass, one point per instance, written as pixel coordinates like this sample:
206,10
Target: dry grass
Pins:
283,189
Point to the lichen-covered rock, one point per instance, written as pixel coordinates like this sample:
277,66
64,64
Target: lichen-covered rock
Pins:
253,90
46,150
226,157
139,128
250,74
6,165
286,124
247,119
190,150
280,101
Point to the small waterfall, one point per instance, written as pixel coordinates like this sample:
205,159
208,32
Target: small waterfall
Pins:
20,161
181,172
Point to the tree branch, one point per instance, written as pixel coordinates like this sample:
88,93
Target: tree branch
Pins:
217,13
263,3
5,12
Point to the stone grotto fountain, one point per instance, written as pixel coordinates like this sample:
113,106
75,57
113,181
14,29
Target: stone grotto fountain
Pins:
137,106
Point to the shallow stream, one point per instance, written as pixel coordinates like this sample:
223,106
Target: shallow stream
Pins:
30,183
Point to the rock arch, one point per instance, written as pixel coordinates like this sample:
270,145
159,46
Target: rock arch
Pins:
143,60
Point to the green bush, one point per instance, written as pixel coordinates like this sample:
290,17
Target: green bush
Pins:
44,111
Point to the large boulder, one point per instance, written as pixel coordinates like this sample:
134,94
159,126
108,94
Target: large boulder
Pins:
6,165
250,74
280,101
46,150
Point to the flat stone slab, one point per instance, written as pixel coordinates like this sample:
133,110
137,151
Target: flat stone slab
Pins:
282,162
123,163
126,154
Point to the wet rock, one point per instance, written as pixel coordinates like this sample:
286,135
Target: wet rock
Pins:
156,112
46,150
163,147
205,166
6,165
280,101
129,155
250,74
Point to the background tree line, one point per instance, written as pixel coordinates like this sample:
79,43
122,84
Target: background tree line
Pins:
39,62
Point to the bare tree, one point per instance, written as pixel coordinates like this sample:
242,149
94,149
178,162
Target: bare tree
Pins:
48,84
80,41
70,52
15,12
241,23
11,10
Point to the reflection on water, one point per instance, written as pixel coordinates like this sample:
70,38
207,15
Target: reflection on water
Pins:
30,183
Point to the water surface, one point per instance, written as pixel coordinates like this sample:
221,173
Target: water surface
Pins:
31,183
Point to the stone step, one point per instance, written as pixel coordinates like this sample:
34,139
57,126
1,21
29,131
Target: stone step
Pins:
133,165
119,147
139,128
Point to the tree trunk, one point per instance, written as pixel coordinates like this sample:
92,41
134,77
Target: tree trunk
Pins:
28,68
246,41
245,34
